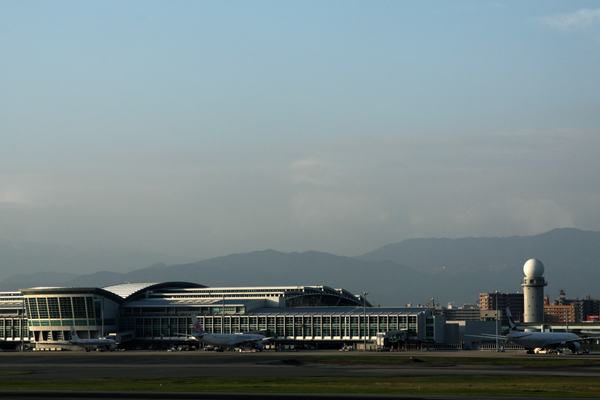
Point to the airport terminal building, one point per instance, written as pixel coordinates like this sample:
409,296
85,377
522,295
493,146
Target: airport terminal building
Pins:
159,314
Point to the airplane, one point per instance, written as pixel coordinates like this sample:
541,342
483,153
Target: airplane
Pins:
228,340
89,344
553,341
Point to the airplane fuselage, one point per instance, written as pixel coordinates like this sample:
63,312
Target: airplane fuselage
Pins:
547,340
94,343
230,340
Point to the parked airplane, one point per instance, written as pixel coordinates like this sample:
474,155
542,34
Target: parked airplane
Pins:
89,344
228,340
540,340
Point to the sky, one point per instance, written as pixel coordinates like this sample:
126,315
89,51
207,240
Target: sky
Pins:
206,128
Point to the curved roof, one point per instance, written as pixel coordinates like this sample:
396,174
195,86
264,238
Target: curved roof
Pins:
128,291
62,291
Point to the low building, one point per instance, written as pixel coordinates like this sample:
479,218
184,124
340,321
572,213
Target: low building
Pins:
560,314
466,312
159,314
582,308
13,322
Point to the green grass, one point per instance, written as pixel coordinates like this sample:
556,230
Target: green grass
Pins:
454,386
533,362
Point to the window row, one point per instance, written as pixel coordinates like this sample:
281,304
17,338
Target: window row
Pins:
63,307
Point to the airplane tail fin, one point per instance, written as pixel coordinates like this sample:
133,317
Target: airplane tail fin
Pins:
511,322
198,331
74,335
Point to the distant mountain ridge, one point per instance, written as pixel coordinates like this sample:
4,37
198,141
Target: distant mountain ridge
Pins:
32,258
566,247
272,268
571,258
411,271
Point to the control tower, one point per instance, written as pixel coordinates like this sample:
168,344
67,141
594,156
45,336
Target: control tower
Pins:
533,291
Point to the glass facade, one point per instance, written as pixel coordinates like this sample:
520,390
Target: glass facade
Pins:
51,312
159,311
300,327
64,308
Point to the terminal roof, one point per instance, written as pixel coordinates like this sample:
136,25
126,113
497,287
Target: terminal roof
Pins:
128,291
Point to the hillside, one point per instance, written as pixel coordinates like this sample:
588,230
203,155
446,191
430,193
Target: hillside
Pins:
571,257
412,271
389,283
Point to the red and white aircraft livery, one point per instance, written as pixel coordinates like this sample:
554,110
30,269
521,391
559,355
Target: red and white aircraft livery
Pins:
92,344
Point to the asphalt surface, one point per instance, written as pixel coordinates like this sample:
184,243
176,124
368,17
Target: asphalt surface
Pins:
162,364
194,364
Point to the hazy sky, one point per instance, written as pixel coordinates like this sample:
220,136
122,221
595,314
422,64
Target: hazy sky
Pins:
204,128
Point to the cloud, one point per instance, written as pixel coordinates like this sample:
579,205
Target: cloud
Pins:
345,196
23,189
312,171
14,196
580,20
326,196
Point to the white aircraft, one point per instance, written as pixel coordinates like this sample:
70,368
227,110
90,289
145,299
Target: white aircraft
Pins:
89,344
541,340
228,340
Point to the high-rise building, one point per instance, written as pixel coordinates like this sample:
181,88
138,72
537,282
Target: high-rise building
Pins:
491,302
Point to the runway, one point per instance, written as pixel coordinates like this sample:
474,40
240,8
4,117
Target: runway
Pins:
161,364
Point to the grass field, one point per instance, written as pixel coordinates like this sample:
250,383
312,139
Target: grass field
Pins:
456,386
533,362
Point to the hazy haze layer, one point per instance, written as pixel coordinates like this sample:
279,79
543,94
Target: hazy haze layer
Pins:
201,129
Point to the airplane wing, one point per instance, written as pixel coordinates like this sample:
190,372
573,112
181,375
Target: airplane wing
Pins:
565,342
588,334
488,336
242,343
189,337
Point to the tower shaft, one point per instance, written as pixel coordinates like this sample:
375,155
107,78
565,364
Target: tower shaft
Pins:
533,299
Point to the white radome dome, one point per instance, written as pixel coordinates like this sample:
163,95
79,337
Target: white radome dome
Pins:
533,268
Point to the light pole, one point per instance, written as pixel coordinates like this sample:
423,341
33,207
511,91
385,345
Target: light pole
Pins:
497,348
365,319
21,323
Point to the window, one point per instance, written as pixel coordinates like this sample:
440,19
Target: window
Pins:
79,307
89,302
53,308
65,307
32,309
42,307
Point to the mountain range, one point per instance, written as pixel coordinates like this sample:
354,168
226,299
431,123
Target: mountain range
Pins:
412,271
